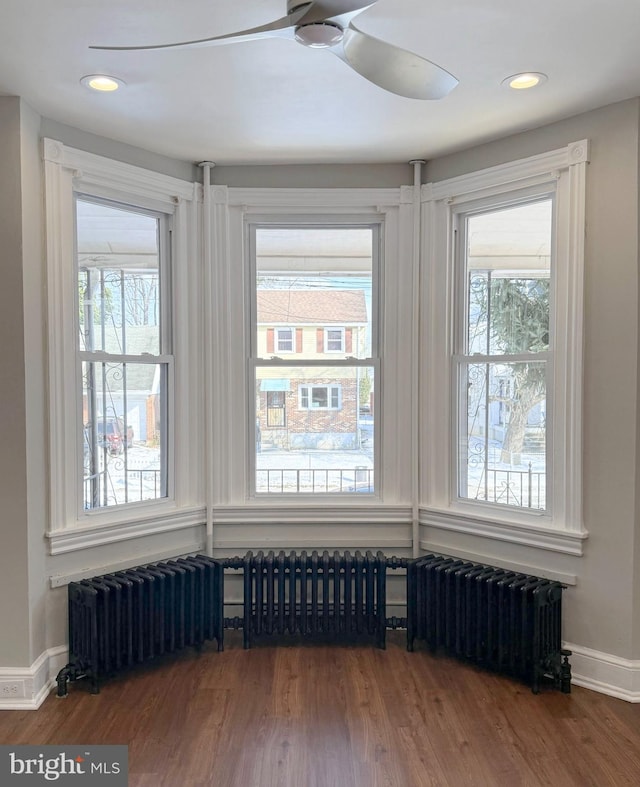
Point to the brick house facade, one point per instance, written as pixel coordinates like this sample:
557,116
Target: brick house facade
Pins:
310,406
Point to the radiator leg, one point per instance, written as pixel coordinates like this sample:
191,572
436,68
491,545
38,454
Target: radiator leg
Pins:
565,673
62,681
535,685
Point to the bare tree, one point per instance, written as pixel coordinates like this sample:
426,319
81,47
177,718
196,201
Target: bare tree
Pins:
515,312
141,299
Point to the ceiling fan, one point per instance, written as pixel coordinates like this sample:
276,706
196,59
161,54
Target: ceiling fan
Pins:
328,24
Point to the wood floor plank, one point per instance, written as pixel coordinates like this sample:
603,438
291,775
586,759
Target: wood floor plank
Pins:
294,713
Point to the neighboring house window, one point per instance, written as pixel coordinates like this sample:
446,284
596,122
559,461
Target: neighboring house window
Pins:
334,340
502,387
313,436
284,340
122,297
319,397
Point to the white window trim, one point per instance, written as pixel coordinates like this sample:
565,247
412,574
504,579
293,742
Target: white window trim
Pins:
232,210
561,171
326,340
329,387
67,171
276,335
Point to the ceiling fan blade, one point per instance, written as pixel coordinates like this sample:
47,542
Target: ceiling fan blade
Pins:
281,28
392,68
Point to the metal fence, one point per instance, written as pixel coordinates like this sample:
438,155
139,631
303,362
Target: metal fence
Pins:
323,480
121,486
522,488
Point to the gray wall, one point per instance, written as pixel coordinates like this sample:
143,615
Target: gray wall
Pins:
319,176
14,553
110,148
636,552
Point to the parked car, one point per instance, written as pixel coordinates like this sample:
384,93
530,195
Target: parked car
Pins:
113,435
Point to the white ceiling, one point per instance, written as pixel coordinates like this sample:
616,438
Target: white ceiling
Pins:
275,101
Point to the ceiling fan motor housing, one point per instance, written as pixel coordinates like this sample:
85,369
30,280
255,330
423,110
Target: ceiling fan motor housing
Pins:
319,35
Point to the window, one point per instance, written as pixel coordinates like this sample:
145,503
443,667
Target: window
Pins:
284,340
123,303
314,435
501,386
504,359
334,340
123,352
320,397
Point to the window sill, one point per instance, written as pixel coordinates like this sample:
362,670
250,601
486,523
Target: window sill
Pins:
148,523
540,536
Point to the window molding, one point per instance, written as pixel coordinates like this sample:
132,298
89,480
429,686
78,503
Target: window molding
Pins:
342,340
68,171
563,173
291,338
333,393
232,210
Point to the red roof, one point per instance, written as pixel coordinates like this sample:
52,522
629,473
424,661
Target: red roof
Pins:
302,307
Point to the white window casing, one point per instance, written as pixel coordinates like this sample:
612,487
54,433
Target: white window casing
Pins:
235,211
560,174
69,172
334,340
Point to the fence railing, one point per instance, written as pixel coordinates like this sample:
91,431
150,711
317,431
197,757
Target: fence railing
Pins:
117,486
523,488
321,480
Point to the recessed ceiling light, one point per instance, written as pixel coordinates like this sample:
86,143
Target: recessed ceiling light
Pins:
525,80
101,82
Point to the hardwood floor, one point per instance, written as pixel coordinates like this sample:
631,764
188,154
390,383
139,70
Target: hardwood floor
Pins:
318,715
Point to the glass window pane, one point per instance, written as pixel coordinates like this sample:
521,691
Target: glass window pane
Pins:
123,435
118,280
316,282
285,340
314,429
508,268
503,434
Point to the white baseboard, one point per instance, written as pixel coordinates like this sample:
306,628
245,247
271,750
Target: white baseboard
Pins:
605,673
26,688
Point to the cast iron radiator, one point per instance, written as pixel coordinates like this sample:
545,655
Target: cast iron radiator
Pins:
312,594
500,619
128,617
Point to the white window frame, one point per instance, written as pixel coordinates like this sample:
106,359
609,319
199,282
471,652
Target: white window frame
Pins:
462,357
329,387
254,359
163,360
276,343
69,172
329,350
561,173
233,465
